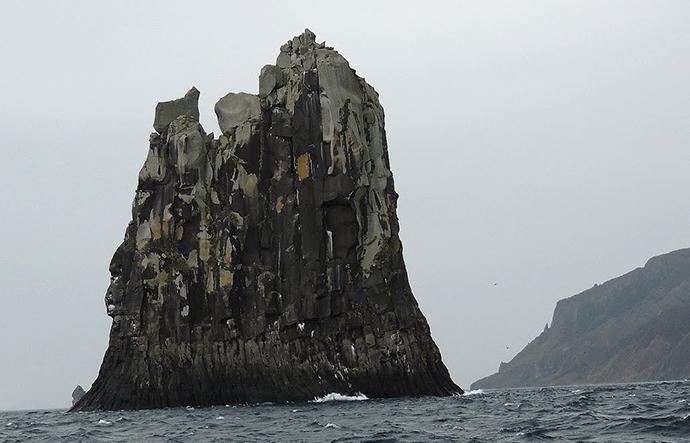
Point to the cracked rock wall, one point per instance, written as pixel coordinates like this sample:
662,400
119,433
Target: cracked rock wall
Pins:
265,265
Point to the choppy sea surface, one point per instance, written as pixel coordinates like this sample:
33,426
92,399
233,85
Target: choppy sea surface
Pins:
629,412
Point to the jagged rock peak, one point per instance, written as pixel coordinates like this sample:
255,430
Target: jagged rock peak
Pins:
168,111
301,44
265,265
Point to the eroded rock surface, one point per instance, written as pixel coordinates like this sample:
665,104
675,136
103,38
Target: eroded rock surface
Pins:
266,265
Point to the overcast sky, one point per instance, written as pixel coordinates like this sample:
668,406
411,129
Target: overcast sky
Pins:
538,147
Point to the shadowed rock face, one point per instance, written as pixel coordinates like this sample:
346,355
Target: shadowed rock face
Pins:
630,329
266,265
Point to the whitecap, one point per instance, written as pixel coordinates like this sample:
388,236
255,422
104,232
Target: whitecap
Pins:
474,392
331,425
220,417
190,408
576,391
105,422
334,396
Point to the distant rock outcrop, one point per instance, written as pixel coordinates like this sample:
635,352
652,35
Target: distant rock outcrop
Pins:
266,265
77,394
630,329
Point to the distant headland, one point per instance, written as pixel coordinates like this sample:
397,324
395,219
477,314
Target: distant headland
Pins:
633,328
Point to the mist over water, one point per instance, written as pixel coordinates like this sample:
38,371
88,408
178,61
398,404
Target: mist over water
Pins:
629,412
538,147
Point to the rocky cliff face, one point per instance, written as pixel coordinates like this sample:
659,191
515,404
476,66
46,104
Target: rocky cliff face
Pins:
632,328
266,265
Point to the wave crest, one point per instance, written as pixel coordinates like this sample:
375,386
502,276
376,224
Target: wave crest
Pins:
474,392
335,396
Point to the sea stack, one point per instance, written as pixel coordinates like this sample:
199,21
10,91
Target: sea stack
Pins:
265,265
77,394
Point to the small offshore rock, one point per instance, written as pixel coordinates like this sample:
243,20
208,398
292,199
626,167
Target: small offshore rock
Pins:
77,394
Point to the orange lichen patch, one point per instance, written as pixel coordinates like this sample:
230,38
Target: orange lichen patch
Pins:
166,221
280,204
155,228
159,279
303,166
165,228
210,283
204,245
193,259
248,183
226,278
204,249
227,256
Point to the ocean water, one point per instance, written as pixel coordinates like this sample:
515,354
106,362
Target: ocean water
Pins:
631,412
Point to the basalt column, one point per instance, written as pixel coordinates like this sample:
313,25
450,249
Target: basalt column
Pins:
265,265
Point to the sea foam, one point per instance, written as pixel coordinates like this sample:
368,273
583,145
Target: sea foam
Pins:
473,392
334,396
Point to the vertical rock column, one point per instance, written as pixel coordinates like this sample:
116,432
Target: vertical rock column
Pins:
266,265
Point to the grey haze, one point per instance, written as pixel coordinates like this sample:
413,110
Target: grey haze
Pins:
538,147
